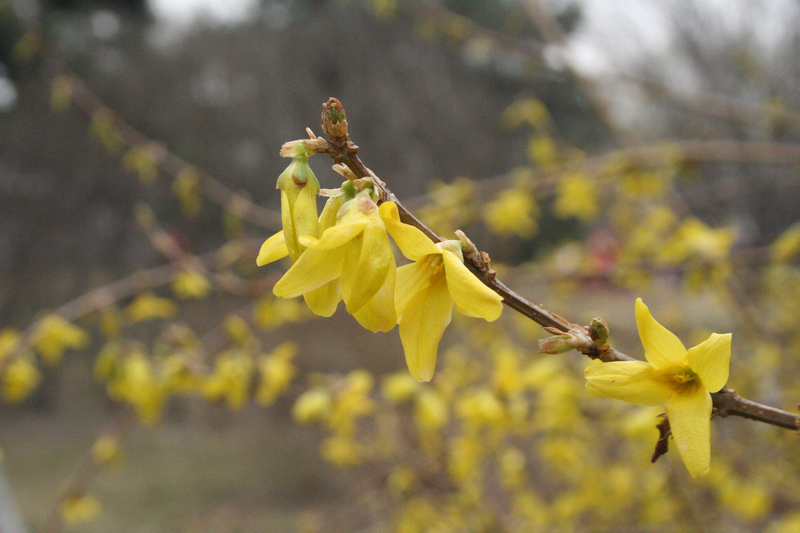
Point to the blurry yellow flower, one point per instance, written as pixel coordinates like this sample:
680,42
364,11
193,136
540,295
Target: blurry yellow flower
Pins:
576,198
276,371
9,340
399,387
78,509
105,450
19,379
542,151
148,306
312,406
186,188
426,290
695,239
54,335
190,284
683,379
513,212
430,410
139,385
786,246
357,251
230,380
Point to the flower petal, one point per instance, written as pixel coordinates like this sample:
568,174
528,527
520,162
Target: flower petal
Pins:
411,241
312,270
290,238
339,235
661,346
635,382
324,300
273,249
411,279
366,267
711,360
422,325
689,416
471,297
378,314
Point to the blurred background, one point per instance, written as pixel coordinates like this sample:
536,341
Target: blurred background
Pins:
599,151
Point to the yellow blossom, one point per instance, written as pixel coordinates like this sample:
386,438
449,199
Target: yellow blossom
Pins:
9,340
683,379
190,284
513,212
276,371
54,335
19,379
323,300
426,290
230,380
312,406
357,251
148,306
576,198
79,509
299,188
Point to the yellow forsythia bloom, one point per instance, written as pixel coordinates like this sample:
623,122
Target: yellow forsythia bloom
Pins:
19,379
513,212
576,198
54,335
357,251
313,405
276,371
683,379
148,306
78,509
427,289
190,284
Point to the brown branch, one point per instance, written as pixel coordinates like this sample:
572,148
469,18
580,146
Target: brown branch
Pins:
343,150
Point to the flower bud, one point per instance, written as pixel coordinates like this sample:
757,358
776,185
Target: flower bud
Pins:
334,119
554,345
598,330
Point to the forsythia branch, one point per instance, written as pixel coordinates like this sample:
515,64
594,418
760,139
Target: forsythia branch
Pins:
344,151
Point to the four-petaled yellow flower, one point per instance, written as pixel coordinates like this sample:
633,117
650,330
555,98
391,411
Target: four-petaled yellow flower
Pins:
683,379
357,251
426,290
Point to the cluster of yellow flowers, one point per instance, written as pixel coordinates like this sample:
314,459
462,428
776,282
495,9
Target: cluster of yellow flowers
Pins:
345,254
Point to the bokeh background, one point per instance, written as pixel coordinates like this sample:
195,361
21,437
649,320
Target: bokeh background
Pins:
593,118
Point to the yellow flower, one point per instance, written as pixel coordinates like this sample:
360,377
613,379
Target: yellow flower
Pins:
357,251
426,290
299,188
683,379
323,300
54,335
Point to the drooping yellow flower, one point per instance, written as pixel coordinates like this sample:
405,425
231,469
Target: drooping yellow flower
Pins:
299,188
683,379
357,251
323,300
426,290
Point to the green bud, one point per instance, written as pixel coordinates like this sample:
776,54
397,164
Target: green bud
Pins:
598,330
